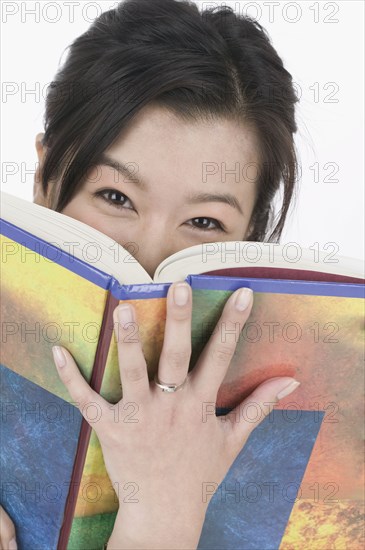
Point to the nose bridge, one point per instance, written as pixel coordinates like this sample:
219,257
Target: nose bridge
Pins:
155,243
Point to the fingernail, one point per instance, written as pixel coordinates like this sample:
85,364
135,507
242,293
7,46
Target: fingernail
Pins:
59,356
12,544
288,389
181,294
243,298
125,314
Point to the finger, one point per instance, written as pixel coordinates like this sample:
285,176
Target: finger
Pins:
215,358
7,531
176,349
132,363
252,411
91,405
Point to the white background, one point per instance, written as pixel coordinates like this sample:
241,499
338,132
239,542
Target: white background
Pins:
321,44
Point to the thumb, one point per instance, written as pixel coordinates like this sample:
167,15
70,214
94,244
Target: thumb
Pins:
92,406
7,531
252,411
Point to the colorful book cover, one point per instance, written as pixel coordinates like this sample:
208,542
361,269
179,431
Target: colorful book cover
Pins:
314,332
47,297
296,483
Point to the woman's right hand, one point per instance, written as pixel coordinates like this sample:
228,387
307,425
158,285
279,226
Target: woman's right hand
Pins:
175,444
7,532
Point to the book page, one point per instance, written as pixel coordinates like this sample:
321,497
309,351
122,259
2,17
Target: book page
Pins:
75,237
230,255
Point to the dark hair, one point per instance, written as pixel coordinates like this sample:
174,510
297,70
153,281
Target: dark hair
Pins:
200,65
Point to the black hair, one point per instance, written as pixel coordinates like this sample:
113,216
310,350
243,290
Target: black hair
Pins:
198,64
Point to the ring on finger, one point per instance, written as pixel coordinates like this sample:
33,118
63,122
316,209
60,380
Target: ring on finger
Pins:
168,388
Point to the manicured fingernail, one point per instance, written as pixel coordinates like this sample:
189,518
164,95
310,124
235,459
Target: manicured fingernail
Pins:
181,294
288,389
125,314
59,356
243,299
12,544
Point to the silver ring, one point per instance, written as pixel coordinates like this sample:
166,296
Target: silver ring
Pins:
168,388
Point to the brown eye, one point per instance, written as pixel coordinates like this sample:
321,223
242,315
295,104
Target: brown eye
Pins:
204,224
115,198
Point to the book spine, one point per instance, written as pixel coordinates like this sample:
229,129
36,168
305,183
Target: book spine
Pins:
101,354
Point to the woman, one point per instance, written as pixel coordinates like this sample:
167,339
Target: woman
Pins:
168,92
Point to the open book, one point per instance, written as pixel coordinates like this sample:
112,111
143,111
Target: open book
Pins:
302,467
90,245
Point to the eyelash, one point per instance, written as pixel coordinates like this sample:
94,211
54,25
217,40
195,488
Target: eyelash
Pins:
116,205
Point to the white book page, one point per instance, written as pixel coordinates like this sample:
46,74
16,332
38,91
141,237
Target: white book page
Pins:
75,237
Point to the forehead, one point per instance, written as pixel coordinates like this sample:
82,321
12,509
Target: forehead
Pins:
162,144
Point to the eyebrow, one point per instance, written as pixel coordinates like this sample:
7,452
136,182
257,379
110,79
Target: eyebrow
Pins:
121,168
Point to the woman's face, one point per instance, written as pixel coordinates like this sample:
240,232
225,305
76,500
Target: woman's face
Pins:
190,183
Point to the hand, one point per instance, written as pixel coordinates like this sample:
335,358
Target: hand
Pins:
7,532
173,448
